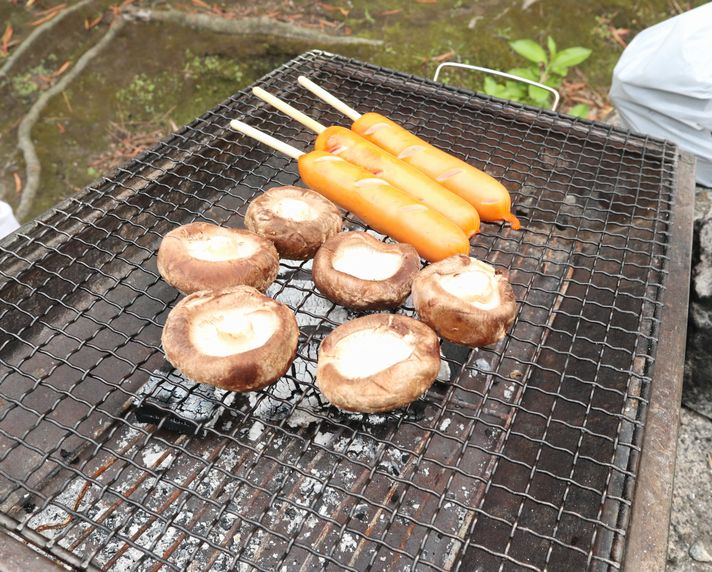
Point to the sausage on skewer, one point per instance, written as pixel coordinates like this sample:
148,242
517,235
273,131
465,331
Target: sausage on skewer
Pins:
485,193
351,146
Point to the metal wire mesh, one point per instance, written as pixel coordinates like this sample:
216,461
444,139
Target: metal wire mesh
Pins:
523,454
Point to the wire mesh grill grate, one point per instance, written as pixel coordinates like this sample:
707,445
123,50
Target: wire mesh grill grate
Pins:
523,455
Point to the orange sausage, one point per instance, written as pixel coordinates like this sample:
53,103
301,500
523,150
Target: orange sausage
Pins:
482,191
382,206
351,146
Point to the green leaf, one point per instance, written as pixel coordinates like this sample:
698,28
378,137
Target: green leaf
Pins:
580,110
368,17
551,44
491,87
526,73
568,58
516,90
530,50
539,95
553,81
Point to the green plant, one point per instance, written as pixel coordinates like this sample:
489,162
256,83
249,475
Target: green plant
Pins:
547,68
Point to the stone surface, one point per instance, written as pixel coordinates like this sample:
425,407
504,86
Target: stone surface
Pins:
691,522
698,552
697,389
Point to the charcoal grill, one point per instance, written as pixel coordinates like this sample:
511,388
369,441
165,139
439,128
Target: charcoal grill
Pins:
553,449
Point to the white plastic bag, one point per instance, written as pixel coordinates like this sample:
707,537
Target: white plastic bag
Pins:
662,85
8,223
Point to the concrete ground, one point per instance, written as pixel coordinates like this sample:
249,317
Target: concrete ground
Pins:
690,541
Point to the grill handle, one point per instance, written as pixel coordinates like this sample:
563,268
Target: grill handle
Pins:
557,97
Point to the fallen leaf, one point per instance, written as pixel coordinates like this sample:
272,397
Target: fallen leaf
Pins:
63,68
709,460
426,1
52,9
29,3
47,17
18,183
201,4
443,57
579,99
391,12
618,34
331,8
66,100
6,37
89,24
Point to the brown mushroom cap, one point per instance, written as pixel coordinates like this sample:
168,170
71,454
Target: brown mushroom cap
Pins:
297,220
377,363
236,338
204,256
358,271
465,300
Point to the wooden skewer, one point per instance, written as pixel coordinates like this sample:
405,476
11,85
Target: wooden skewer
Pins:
287,109
332,100
268,140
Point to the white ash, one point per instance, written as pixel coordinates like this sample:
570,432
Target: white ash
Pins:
358,447
483,364
329,501
256,430
301,418
323,439
129,434
152,454
308,490
509,391
444,424
53,514
347,543
366,418
310,308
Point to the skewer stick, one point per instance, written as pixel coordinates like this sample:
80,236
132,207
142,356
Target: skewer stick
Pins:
332,100
268,140
287,109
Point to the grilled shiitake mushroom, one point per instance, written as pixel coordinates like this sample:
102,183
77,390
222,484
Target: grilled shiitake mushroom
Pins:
297,220
358,271
465,300
204,256
236,338
377,363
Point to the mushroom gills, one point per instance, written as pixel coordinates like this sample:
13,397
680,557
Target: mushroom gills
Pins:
220,248
476,287
229,332
367,352
366,263
294,209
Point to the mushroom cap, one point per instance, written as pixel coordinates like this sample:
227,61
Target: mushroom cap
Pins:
358,271
297,220
465,300
204,256
236,338
377,363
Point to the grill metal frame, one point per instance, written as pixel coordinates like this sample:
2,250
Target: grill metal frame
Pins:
526,457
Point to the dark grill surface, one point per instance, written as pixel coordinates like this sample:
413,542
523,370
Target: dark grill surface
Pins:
523,455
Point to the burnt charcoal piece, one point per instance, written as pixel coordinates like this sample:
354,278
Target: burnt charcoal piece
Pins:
176,403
